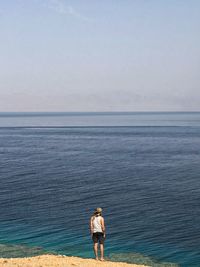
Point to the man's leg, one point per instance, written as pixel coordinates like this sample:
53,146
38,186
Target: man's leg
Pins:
96,250
102,251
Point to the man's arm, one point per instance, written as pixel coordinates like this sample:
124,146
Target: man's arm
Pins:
103,226
91,226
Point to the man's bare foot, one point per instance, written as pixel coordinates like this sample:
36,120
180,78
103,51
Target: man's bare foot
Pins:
97,258
102,259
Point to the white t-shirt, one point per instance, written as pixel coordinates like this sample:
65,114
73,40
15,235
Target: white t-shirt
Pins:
97,224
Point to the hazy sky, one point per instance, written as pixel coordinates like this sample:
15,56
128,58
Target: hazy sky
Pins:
99,55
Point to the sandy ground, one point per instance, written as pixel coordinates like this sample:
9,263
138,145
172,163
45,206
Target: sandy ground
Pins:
60,261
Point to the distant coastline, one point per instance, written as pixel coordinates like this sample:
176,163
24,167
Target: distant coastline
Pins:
100,119
88,113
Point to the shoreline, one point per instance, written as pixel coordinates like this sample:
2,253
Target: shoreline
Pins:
61,261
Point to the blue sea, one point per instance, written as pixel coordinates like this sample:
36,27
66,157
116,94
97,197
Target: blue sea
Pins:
143,169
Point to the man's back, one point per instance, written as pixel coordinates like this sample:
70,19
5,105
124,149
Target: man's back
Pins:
97,224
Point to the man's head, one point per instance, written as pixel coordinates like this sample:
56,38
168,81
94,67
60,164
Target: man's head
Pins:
98,211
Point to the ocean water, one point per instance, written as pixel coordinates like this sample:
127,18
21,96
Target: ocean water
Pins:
143,169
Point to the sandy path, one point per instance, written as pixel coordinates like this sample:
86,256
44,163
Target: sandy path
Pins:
60,261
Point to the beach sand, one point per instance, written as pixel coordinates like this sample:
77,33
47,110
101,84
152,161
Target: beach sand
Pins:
60,261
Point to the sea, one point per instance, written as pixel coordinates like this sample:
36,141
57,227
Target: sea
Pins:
142,169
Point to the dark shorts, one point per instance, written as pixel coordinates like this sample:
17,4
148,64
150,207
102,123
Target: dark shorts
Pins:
98,238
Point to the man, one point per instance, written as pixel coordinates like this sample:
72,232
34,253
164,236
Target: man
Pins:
97,229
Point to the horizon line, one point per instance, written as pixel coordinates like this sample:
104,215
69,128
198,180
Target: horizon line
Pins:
93,112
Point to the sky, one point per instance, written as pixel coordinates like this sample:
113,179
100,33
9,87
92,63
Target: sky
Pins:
99,55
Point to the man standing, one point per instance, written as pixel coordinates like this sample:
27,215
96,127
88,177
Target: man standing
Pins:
97,229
